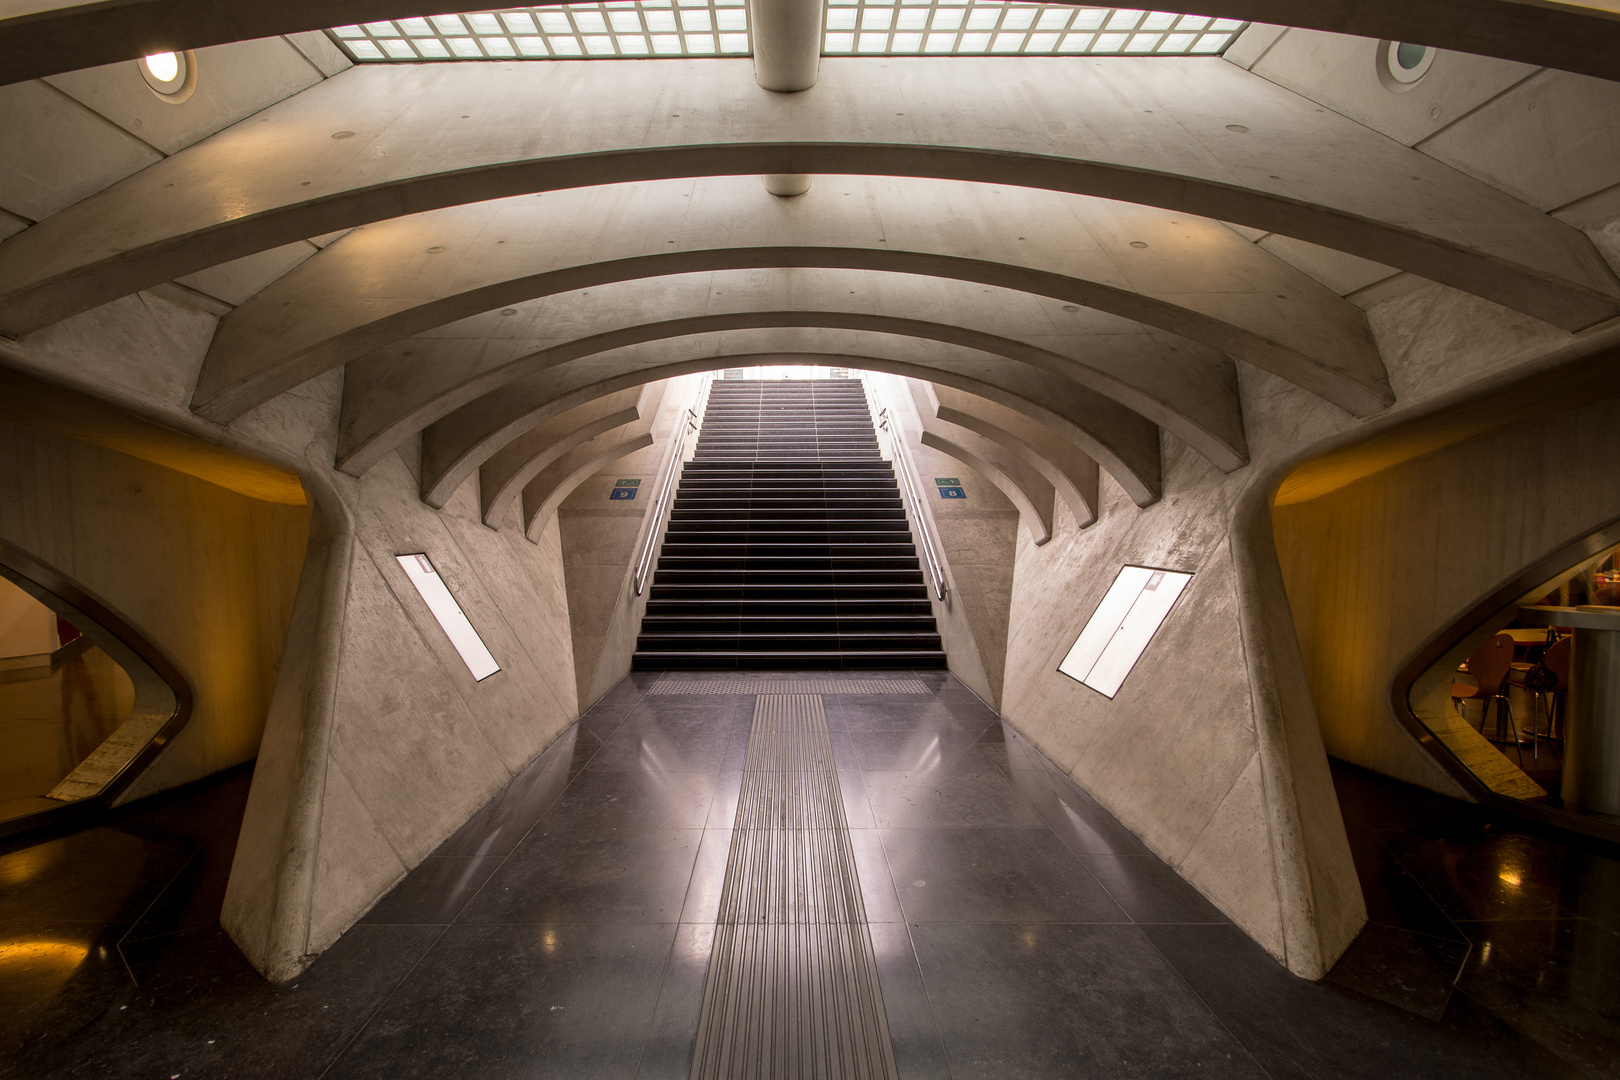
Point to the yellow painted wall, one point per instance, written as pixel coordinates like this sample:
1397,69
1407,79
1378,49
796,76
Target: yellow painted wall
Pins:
1376,568
207,573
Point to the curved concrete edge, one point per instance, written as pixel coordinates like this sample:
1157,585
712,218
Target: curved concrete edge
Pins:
453,447
376,421
1320,903
317,317
504,475
270,895
1035,502
546,492
1070,472
1570,36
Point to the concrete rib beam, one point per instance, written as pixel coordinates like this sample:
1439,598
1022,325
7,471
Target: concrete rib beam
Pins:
502,476
1220,142
1069,470
399,392
46,38
543,494
1026,489
1122,442
1194,278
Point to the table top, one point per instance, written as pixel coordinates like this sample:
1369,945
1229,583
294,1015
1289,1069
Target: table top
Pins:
1581,619
1533,636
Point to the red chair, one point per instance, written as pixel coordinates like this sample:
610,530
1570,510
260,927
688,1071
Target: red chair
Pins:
1491,664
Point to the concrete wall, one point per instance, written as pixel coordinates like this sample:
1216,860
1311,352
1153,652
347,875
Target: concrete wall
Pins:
1378,567
206,573
382,744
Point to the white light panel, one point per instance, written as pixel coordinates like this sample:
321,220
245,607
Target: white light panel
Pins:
454,621
654,28
1121,627
615,29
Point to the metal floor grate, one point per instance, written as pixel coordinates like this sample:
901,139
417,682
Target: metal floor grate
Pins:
742,684
792,990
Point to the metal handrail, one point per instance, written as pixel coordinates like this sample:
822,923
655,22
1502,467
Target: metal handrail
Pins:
908,493
690,422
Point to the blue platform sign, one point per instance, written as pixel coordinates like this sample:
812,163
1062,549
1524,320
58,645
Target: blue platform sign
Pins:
622,493
952,493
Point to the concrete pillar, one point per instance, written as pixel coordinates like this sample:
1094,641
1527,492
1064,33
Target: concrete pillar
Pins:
787,54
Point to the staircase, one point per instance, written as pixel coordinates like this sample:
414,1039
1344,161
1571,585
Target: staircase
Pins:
788,546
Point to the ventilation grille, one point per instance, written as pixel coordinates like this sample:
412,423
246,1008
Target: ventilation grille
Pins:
792,991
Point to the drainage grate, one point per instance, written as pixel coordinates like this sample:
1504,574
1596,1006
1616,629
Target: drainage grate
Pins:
672,684
792,991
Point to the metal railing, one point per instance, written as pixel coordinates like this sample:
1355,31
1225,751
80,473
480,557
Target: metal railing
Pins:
691,420
906,473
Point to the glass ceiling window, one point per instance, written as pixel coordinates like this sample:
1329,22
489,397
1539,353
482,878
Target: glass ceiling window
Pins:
651,28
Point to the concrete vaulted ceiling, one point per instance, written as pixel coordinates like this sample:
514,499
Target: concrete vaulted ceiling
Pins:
1040,243
1121,441
1189,276
1194,137
42,37
1183,387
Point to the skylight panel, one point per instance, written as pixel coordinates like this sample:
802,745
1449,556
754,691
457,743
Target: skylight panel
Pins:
673,28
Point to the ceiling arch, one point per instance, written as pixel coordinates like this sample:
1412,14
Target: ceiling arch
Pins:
1186,275
1121,442
1221,143
798,331
1165,380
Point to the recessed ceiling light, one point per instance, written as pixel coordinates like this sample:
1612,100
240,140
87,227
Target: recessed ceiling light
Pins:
171,75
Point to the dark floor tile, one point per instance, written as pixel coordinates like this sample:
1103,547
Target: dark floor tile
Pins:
1557,982
200,1011
1486,874
702,904
878,895
993,875
1033,1000
1396,899
1305,1030
543,781
723,807
668,1051
1414,972
616,799
101,874
693,712
495,831
435,892
1149,891
922,800
635,748
857,807
918,1052
918,751
55,977
570,875
888,714
492,1001
191,901
1085,827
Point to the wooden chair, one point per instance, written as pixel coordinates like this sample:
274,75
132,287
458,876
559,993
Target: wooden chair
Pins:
1556,660
1491,664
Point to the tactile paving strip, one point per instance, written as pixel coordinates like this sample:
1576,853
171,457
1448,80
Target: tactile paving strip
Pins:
674,684
792,991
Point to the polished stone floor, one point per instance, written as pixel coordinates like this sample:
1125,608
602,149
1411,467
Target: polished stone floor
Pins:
1020,931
